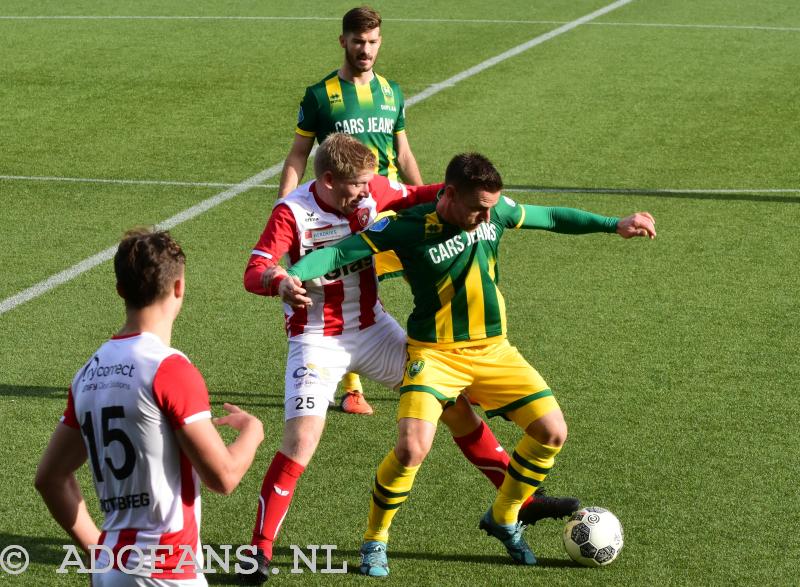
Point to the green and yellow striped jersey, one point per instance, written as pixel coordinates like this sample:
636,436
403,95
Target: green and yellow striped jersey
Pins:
373,113
453,273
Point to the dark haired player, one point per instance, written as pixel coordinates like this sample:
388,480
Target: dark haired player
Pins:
139,411
357,101
457,338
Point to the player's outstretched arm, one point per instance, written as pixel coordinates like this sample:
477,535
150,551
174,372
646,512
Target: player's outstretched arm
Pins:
295,165
55,481
221,467
638,224
322,261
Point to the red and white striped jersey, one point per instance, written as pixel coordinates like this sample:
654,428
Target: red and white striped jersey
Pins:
127,401
347,298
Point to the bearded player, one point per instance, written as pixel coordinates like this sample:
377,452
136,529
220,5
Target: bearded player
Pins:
340,325
357,101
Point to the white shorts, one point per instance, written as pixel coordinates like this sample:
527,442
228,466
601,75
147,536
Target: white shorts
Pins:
115,578
316,364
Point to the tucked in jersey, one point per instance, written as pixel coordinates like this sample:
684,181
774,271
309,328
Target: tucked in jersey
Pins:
373,113
452,273
127,401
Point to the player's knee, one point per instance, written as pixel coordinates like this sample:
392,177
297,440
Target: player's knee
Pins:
410,455
460,418
550,429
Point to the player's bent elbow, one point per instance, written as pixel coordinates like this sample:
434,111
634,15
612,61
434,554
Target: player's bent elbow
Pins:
223,483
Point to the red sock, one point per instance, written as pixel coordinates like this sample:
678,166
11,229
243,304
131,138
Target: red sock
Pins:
276,497
482,450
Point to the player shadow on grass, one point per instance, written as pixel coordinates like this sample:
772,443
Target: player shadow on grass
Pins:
41,550
33,391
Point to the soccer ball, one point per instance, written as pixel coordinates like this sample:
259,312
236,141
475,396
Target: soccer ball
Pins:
593,537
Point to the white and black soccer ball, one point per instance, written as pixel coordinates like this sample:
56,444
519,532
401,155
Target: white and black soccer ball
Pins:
593,537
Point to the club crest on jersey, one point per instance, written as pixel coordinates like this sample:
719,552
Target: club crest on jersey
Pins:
387,91
415,368
380,225
363,216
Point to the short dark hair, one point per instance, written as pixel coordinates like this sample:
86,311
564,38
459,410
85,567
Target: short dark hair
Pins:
361,19
146,264
468,171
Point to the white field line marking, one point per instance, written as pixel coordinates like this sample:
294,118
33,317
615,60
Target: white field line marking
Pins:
107,254
411,20
436,88
538,190
87,264
198,184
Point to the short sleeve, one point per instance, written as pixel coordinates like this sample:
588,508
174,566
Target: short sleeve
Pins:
307,116
70,418
509,213
180,392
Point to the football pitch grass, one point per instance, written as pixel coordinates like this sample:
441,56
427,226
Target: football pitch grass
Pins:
675,361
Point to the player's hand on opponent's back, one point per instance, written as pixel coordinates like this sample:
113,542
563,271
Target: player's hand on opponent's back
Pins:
638,224
292,292
238,419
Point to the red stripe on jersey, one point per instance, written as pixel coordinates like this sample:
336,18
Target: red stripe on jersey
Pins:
296,323
332,309
185,538
126,538
369,295
101,540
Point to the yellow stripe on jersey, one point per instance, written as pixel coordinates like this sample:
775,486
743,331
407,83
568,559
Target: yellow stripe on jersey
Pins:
392,168
364,94
444,318
501,303
335,97
474,285
369,242
521,217
305,133
388,94
433,225
377,158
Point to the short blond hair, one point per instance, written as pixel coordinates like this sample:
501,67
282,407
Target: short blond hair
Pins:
343,156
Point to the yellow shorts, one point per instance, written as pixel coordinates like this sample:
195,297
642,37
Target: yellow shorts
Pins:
495,376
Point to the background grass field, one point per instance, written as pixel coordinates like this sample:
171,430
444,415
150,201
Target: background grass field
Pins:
675,361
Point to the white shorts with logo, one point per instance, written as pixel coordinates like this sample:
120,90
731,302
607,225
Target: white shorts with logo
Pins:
316,364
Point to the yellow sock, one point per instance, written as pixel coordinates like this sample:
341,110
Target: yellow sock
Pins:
391,488
529,465
352,382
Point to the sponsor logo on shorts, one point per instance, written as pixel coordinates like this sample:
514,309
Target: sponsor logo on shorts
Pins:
415,368
307,375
